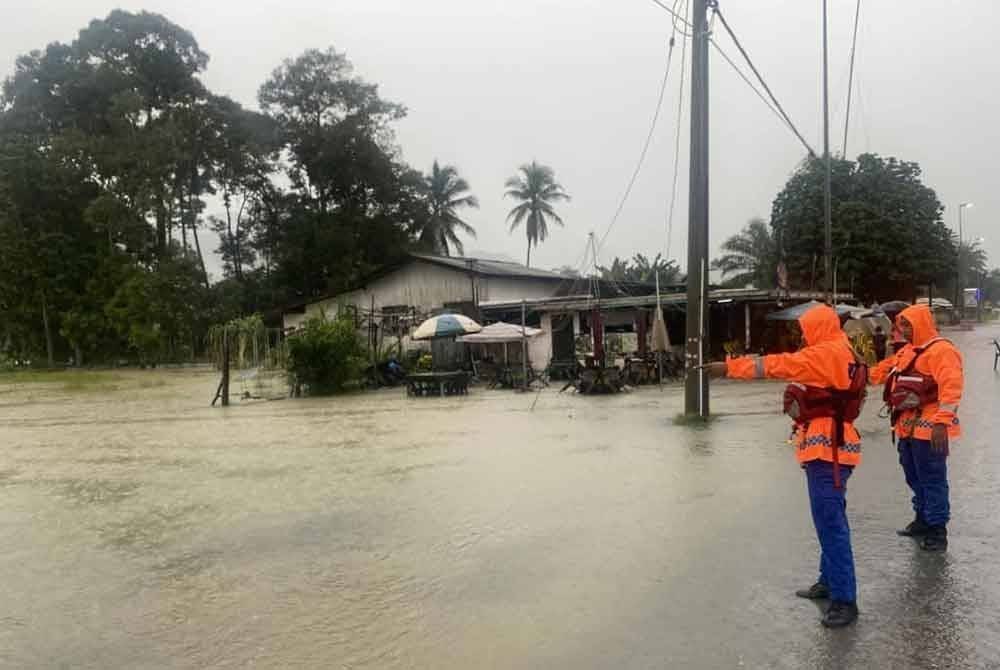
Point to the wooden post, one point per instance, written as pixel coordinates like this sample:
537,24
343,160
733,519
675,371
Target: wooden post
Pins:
225,367
746,318
524,344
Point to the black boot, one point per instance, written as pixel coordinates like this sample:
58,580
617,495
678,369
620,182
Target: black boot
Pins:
936,539
818,591
916,528
840,614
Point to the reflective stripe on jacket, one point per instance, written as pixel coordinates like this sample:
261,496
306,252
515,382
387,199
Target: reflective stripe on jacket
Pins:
824,362
943,362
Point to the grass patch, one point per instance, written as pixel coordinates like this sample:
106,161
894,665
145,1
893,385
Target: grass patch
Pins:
694,420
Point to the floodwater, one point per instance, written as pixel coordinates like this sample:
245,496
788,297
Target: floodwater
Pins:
140,528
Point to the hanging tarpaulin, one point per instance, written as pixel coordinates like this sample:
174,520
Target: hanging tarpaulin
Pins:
597,331
661,339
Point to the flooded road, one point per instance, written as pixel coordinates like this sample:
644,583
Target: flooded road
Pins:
140,528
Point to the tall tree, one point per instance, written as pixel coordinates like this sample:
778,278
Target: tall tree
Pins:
536,189
974,260
751,257
447,192
888,234
353,205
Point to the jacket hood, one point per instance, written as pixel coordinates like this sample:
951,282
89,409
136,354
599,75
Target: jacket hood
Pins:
924,328
821,324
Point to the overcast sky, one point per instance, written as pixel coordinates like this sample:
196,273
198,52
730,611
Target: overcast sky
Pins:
491,84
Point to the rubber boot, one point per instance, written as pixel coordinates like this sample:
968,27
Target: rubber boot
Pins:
818,591
916,528
840,614
936,539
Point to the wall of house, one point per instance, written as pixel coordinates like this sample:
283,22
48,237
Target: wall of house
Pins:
423,286
427,287
292,320
540,346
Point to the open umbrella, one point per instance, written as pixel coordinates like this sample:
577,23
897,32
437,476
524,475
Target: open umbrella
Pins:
501,333
446,325
794,312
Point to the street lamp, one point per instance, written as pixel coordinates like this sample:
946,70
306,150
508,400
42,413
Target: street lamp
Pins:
959,289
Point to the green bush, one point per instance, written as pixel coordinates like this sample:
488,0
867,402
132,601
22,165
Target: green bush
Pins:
325,356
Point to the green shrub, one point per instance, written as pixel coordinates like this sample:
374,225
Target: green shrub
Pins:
325,356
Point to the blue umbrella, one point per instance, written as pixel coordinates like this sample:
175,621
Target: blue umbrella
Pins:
446,325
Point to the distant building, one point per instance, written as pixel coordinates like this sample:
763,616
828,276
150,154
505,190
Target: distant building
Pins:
390,303
423,285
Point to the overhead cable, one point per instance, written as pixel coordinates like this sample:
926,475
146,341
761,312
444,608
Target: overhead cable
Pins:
673,13
850,78
677,145
646,144
760,78
745,78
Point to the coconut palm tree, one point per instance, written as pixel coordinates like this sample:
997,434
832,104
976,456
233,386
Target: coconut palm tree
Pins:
750,256
447,192
536,188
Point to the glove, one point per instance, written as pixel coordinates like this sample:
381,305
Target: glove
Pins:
939,438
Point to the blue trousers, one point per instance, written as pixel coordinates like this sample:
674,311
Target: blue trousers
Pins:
926,472
829,512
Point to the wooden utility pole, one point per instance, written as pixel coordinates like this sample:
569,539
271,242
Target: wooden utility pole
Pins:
827,189
696,381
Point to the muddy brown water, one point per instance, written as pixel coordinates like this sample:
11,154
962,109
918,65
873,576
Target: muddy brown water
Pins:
140,528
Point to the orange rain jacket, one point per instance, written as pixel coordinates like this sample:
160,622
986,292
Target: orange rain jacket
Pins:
823,362
943,362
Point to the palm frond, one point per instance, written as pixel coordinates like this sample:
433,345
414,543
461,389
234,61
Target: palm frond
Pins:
464,201
455,222
516,215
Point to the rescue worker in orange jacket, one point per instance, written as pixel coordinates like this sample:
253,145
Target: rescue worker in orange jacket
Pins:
924,383
825,365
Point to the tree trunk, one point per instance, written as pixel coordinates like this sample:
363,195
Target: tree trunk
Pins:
77,355
238,240
194,225
201,259
161,228
528,262
49,348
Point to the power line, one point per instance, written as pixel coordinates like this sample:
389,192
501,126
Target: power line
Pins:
850,79
745,78
673,13
677,143
645,148
760,78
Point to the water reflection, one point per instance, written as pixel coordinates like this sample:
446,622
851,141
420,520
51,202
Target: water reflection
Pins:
378,531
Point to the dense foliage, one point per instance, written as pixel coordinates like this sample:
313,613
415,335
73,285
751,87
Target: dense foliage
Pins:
325,356
888,232
889,239
112,154
749,257
641,270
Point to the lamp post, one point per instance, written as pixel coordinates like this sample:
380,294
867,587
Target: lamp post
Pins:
959,289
